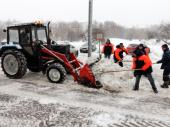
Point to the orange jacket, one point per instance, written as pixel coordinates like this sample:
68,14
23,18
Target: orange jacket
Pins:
107,47
146,52
124,49
119,53
142,59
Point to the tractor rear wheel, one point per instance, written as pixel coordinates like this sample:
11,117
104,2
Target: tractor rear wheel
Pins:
14,64
56,73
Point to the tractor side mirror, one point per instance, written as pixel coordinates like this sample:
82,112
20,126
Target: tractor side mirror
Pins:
4,30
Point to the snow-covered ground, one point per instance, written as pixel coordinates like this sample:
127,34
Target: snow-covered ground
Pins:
34,102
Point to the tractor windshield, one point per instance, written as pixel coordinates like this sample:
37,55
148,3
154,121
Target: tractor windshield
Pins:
41,34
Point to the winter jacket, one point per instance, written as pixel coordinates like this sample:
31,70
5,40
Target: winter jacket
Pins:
142,62
24,38
144,51
108,49
165,60
118,54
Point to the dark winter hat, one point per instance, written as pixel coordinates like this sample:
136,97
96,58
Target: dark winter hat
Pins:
108,40
141,45
121,44
138,53
165,45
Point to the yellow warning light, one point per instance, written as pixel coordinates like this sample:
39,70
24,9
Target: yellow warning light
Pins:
38,22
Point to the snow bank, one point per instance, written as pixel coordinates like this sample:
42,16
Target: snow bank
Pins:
117,41
123,81
112,81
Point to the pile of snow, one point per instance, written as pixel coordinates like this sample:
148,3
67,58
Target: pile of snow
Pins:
112,81
122,81
153,42
117,41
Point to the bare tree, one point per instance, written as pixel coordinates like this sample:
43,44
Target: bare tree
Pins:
74,31
161,33
3,25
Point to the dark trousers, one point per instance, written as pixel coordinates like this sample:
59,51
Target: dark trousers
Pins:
149,78
166,75
120,63
106,56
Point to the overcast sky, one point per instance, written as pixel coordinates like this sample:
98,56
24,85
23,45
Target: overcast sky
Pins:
141,13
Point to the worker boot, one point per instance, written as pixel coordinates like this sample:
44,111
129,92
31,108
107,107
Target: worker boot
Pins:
165,85
155,90
135,88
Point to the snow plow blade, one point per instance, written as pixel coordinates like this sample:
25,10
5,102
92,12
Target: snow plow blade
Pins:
87,77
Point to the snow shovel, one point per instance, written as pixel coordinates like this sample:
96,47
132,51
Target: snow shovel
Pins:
132,61
155,63
121,59
122,70
128,61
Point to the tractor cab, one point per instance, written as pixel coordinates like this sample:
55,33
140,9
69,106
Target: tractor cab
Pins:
25,36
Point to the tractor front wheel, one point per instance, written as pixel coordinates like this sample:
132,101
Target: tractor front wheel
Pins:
56,73
14,64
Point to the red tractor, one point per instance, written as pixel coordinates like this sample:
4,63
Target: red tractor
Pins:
28,46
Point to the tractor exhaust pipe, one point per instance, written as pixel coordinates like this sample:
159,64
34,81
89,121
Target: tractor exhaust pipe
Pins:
48,34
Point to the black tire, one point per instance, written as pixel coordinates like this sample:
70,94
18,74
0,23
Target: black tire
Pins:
20,62
61,73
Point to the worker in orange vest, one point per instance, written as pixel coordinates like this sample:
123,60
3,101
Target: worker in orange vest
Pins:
143,49
118,54
108,49
143,62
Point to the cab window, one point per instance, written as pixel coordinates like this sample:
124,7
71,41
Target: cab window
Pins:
25,35
41,33
13,36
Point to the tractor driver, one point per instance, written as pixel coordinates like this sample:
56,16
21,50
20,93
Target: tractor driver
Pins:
24,37
26,40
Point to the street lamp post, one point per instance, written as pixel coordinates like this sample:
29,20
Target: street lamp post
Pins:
90,28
